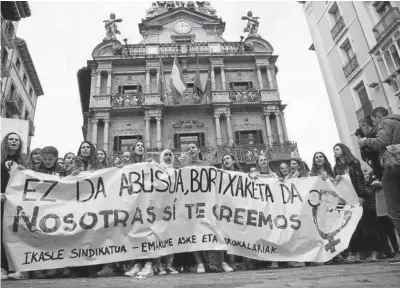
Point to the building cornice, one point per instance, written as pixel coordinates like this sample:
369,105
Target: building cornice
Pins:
29,66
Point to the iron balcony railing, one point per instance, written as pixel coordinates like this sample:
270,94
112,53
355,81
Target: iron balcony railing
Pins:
14,103
120,101
245,97
388,20
337,28
350,66
365,110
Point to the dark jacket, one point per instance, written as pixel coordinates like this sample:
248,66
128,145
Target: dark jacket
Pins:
356,176
388,134
368,154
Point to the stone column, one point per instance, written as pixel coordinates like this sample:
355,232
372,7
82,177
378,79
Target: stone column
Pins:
229,124
147,127
158,80
159,143
109,75
147,80
98,84
279,124
269,129
269,75
260,83
106,128
94,132
284,126
213,84
223,78
218,129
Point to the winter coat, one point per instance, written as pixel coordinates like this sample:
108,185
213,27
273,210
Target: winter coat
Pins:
355,173
388,134
368,154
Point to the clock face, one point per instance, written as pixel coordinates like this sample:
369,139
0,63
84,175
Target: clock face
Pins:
182,27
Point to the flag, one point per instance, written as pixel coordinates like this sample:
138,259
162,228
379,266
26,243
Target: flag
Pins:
177,83
207,88
198,88
161,83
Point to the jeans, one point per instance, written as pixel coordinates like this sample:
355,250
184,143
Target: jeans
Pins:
391,188
4,262
387,232
371,234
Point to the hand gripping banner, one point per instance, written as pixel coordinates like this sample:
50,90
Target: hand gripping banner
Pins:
146,211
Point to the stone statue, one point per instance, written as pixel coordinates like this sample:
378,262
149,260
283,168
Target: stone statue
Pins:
170,5
111,27
252,23
179,4
209,9
191,5
153,10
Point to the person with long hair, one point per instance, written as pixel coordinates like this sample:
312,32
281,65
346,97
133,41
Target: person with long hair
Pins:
347,163
60,162
263,168
86,158
11,154
284,171
101,159
213,259
297,168
34,159
321,167
69,160
138,154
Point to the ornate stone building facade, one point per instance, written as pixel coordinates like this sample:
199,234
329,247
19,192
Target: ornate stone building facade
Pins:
243,115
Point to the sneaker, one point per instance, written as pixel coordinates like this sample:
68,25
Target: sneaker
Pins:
226,267
38,274
358,258
147,270
161,271
200,268
4,275
17,276
395,260
65,273
134,270
374,257
107,271
171,270
293,264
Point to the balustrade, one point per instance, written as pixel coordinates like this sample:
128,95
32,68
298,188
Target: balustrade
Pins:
127,101
388,20
244,97
350,66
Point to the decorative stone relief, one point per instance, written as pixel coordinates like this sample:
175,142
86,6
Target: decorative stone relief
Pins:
129,80
247,127
188,124
243,76
127,132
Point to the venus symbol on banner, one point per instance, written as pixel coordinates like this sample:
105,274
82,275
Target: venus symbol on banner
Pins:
331,213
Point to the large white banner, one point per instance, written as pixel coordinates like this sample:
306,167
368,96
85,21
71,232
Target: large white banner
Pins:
146,211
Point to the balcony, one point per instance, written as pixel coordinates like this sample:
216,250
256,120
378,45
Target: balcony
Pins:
350,66
14,104
388,21
220,97
337,28
31,128
225,48
268,95
152,99
245,97
101,101
126,101
246,154
5,67
188,98
364,111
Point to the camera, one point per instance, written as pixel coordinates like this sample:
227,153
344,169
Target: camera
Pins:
359,133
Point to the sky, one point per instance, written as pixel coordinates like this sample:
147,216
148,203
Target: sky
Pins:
62,35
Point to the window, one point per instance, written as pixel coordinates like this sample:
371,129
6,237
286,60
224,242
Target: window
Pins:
130,89
348,50
12,91
249,137
4,55
18,64
395,55
26,117
125,143
389,61
334,11
362,95
383,68
30,92
181,141
383,7
25,79
241,86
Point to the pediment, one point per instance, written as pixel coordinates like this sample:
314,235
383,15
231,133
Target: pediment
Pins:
181,13
107,48
258,44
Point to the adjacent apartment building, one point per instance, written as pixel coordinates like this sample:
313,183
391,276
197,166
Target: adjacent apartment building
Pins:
358,48
20,85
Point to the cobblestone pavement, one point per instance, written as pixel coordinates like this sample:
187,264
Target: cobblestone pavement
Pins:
356,275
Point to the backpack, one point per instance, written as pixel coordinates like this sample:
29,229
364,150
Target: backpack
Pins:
391,158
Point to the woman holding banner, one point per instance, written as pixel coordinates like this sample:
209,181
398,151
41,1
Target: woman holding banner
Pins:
347,163
263,168
214,259
321,166
11,154
34,159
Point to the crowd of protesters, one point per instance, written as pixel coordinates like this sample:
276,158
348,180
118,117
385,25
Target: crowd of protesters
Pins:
378,189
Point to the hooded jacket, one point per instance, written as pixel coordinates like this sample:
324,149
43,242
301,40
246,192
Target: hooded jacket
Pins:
165,165
388,134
